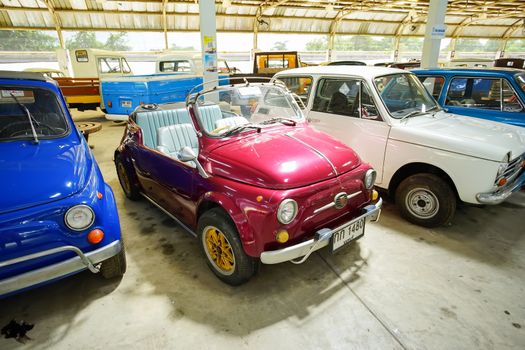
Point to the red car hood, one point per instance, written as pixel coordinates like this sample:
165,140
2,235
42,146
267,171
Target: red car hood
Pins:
282,158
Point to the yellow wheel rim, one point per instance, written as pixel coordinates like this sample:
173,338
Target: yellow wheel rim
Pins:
124,177
219,250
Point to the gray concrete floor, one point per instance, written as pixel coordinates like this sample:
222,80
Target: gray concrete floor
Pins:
400,287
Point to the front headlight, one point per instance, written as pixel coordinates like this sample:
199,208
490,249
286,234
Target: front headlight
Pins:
287,211
501,169
79,217
370,178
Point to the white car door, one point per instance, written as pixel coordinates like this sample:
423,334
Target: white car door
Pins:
345,109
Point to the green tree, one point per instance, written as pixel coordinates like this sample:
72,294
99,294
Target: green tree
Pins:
318,44
25,40
117,42
84,40
279,46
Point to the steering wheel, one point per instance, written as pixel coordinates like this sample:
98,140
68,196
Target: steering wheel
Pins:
410,104
216,131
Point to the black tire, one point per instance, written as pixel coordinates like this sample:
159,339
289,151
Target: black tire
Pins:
114,266
426,200
126,179
242,267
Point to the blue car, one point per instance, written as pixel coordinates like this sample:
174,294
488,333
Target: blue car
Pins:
57,216
496,94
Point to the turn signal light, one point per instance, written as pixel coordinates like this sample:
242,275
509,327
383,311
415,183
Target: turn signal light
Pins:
95,236
502,181
523,164
282,236
375,195
99,195
110,103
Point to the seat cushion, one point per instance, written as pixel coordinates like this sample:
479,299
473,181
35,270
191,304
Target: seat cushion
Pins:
149,122
208,115
172,138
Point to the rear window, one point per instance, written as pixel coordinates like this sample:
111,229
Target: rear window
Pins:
45,112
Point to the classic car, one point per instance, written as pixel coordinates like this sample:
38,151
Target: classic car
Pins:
57,216
240,169
496,94
426,159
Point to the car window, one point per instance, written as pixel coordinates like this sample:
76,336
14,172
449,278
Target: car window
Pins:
125,66
301,86
109,65
337,96
175,66
434,85
368,107
482,93
510,102
47,116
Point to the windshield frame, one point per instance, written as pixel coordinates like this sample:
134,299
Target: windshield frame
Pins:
417,82
193,98
521,84
61,112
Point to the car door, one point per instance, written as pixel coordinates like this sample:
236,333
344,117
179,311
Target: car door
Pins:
346,109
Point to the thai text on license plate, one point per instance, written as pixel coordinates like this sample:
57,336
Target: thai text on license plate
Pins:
126,104
348,233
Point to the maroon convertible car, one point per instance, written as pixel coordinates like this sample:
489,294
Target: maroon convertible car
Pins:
240,168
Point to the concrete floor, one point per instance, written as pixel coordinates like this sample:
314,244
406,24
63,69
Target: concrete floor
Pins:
400,287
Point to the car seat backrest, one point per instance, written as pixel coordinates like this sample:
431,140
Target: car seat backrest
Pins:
208,115
149,122
173,138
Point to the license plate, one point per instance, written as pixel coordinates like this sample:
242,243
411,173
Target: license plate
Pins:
348,233
126,104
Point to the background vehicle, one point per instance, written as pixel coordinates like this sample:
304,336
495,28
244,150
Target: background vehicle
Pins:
267,63
495,94
57,216
240,169
427,159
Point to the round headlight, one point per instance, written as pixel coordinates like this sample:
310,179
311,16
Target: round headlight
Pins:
370,178
287,211
79,217
501,169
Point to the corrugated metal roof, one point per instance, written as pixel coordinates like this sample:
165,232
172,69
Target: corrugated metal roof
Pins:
477,18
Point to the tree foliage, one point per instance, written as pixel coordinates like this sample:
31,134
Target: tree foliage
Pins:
279,46
25,40
88,40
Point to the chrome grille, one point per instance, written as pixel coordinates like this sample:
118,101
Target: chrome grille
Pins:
513,169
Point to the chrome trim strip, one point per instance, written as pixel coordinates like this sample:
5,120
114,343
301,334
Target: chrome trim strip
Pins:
58,270
332,204
190,231
316,151
321,239
502,194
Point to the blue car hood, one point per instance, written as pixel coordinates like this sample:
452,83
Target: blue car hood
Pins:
33,174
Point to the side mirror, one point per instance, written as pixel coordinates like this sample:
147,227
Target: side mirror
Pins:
186,154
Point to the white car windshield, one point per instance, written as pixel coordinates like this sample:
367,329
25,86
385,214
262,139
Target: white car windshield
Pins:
404,95
235,109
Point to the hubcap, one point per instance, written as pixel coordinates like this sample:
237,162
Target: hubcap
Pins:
422,203
219,250
123,176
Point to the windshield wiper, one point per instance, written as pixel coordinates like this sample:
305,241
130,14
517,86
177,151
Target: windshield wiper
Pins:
240,128
412,114
29,116
285,121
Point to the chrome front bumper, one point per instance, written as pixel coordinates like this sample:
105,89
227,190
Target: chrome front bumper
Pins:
321,239
501,194
78,263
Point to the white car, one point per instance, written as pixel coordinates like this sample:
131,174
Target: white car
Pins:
426,158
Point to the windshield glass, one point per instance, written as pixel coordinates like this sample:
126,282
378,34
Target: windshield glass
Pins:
240,108
47,116
403,94
520,78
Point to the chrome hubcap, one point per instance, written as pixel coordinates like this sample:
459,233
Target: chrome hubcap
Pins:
422,203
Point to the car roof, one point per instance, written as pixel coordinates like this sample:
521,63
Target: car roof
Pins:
470,71
7,74
363,71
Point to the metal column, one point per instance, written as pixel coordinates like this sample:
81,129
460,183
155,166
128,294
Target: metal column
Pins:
434,32
208,30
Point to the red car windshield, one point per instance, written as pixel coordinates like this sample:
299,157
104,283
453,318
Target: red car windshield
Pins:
239,108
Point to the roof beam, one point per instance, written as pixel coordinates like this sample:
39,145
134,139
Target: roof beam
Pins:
57,22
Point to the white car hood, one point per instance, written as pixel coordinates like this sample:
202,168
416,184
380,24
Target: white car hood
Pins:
466,135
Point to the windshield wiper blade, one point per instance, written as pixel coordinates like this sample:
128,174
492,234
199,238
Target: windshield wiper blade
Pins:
240,128
29,116
412,114
285,121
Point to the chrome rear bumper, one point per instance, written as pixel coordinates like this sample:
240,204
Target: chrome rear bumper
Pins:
321,239
502,194
78,263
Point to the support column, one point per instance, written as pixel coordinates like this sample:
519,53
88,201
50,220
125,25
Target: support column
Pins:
330,47
434,32
208,28
165,23
395,54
